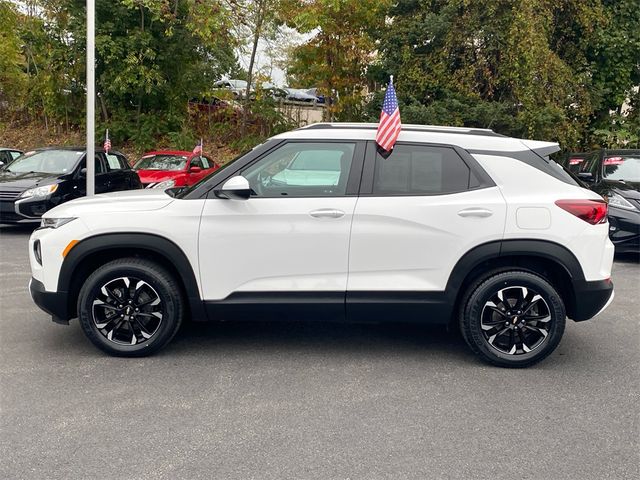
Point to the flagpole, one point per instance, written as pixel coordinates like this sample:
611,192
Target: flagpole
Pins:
91,91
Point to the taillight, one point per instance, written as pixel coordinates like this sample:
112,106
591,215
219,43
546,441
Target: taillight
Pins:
591,211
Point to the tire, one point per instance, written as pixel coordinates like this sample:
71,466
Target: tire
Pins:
512,318
108,301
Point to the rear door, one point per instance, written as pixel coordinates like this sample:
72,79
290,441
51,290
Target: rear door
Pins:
119,172
420,210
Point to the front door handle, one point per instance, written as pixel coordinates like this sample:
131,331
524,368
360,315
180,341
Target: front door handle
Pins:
475,212
326,213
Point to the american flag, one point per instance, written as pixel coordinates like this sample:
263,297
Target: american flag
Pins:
107,142
198,149
389,126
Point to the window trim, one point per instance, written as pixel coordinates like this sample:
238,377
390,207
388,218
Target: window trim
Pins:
366,184
353,182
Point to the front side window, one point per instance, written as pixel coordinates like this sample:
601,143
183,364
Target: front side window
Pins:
420,170
302,170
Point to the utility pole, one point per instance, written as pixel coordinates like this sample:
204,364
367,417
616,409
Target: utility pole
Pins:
91,94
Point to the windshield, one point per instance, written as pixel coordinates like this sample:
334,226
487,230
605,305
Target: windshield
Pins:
46,161
625,168
162,162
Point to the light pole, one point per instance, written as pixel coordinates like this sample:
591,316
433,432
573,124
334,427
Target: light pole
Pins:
91,93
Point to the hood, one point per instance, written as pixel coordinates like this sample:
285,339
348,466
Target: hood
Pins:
152,176
126,201
25,180
624,189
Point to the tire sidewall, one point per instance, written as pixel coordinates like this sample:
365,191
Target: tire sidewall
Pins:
473,312
169,297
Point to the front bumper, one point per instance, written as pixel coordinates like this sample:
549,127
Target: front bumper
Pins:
591,299
53,303
26,210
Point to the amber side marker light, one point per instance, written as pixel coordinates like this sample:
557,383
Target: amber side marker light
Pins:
68,248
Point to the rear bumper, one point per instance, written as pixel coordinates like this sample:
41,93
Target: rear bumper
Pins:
53,303
592,298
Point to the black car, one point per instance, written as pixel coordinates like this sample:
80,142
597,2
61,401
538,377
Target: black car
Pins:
8,155
574,161
615,174
41,179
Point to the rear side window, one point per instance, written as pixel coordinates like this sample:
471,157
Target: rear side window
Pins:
115,162
420,170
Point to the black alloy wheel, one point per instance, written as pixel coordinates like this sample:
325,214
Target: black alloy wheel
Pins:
512,318
130,307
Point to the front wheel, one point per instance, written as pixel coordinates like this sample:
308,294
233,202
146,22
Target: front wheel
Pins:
513,318
130,307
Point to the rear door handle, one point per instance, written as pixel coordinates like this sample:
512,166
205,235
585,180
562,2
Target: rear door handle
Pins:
475,212
326,213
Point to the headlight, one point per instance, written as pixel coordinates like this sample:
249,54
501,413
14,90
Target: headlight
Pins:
55,222
165,184
40,192
619,201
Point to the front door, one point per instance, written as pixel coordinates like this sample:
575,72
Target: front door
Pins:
288,244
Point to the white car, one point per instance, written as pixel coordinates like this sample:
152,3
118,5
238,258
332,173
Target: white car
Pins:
457,226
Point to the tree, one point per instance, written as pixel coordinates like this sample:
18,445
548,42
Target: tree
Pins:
534,68
336,57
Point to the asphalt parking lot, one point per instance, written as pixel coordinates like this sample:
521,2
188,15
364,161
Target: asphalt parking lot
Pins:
310,400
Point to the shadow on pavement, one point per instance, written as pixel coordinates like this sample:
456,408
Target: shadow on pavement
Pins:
325,339
17,230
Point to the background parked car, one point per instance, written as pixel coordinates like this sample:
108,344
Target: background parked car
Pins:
237,87
8,155
615,174
173,168
319,97
574,162
299,95
43,178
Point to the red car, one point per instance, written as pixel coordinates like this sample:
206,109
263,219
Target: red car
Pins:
173,168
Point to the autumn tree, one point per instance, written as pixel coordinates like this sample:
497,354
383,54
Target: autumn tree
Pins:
341,47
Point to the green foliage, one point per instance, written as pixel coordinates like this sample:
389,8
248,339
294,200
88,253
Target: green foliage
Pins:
336,57
532,68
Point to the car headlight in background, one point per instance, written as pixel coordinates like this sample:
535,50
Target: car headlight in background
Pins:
40,192
55,222
165,184
619,201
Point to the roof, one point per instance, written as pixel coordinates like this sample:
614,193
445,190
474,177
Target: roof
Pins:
72,149
4,149
475,139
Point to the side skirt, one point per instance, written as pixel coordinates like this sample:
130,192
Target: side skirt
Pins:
423,307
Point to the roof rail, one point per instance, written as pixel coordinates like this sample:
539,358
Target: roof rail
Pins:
408,127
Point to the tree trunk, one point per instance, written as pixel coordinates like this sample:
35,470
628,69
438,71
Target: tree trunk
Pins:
261,4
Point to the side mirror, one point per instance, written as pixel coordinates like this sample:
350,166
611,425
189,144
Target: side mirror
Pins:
586,176
195,169
236,188
83,172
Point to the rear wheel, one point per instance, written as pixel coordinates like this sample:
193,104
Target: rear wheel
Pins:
513,318
130,307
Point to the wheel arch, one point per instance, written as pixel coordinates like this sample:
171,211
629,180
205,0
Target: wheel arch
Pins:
94,251
548,259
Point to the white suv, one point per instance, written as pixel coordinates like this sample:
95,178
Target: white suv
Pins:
457,227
